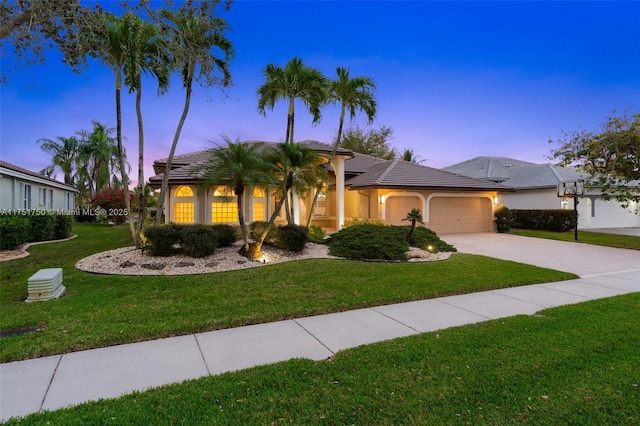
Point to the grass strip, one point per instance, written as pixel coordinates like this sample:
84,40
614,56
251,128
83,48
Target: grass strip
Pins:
575,364
596,238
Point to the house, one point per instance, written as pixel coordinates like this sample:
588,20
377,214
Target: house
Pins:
22,189
360,186
535,187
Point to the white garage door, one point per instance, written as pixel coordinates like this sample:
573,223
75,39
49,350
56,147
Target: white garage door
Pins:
453,215
396,209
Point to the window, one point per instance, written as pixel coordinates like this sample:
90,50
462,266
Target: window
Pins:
321,204
46,198
70,201
25,196
259,205
224,208
184,207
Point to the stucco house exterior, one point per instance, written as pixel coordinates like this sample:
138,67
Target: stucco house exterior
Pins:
22,189
360,186
535,187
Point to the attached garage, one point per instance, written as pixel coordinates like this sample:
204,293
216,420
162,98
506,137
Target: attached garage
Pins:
455,215
397,207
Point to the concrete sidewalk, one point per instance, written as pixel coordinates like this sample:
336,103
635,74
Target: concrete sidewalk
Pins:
58,381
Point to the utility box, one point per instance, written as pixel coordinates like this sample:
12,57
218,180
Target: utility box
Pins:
46,284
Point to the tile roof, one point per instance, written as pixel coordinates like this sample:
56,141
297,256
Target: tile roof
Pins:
19,169
515,173
403,174
184,166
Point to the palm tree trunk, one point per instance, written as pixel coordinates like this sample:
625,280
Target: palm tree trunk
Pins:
256,248
142,201
165,178
290,118
243,225
123,169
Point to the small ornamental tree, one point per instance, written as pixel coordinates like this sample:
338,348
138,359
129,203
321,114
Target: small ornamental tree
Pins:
112,201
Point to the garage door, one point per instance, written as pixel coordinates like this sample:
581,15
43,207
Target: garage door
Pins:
458,215
396,209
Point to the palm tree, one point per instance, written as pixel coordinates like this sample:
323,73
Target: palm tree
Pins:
294,81
239,165
65,152
113,46
408,155
352,94
147,54
298,168
414,216
193,36
98,159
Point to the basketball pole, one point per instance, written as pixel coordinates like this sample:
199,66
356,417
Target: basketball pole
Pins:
575,210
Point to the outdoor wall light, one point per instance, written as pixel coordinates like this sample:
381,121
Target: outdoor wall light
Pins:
382,198
495,200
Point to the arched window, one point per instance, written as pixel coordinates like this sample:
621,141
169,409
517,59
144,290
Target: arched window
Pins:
184,205
259,205
224,208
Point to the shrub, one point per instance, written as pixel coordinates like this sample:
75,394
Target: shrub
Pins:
43,225
291,237
226,234
504,219
383,242
424,237
14,231
317,234
63,226
369,242
161,239
257,228
363,221
113,201
546,220
198,240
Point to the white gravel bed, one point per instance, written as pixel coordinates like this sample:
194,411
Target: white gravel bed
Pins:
131,261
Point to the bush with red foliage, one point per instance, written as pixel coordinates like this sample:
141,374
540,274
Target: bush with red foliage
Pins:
112,203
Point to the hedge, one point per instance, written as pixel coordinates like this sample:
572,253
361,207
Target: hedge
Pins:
545,220
191,240
32,226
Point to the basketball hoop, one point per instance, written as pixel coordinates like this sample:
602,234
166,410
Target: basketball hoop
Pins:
570,189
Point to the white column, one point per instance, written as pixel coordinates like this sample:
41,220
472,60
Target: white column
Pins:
296,209
338,167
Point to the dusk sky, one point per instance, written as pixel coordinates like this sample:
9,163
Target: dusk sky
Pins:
455,80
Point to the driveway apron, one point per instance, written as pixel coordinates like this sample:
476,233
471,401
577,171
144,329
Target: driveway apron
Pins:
581,259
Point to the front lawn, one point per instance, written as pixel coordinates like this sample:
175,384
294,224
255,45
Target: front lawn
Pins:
596,238
105,310
571,365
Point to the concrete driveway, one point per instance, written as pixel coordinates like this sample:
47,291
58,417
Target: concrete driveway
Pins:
581,259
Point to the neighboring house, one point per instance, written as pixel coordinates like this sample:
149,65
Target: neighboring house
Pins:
22,189
536,188
360,186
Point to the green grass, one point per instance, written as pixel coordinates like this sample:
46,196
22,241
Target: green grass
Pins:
596,238
105,310
572,365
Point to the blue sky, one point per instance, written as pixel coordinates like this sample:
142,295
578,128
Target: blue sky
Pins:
454,80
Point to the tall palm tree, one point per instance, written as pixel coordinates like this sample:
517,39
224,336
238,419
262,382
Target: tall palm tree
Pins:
415,216
239,165
146,54
199,49
64,154
113,46
294,81
353,94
